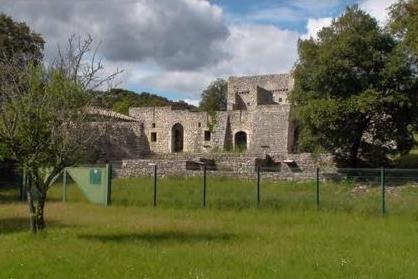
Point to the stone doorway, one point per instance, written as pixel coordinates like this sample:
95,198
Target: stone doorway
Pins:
177,138
240,141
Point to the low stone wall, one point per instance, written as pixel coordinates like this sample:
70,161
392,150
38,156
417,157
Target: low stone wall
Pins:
278,166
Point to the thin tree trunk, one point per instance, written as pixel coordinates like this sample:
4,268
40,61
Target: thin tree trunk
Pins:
40,220
354,153
32,214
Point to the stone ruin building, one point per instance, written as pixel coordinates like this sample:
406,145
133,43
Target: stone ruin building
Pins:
254,129
255,122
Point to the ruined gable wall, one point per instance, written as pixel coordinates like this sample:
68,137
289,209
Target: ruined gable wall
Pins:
242,120
279,85
264,97
271,126
266,128
164,119
120,140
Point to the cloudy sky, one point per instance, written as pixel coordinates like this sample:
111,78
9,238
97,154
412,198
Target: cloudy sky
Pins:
175,48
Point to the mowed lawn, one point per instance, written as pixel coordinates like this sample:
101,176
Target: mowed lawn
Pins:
287,237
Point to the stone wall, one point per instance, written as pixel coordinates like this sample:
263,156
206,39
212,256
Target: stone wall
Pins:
257,109
121,140
266,128
270,134
161,120
282,166
279,85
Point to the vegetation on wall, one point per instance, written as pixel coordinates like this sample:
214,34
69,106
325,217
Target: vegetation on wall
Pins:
214,98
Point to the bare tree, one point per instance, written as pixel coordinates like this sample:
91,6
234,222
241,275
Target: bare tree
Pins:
45,121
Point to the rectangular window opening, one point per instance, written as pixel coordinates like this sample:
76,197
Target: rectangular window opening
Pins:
153,137
207,135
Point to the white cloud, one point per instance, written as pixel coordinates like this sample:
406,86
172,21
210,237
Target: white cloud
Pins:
315,25
192,102
178,34
187,82
251,49
377,8
258,49
179,46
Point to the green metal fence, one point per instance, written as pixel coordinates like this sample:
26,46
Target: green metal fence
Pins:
373,190
376,191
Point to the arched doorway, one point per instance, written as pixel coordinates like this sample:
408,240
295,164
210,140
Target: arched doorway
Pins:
240,141
177,137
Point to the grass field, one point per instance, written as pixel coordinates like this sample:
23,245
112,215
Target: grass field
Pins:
287,237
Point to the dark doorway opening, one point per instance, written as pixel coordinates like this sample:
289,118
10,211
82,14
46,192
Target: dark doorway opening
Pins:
241,141
177,138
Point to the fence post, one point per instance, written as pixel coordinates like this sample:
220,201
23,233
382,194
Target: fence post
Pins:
109,184
382,183
64,186
317,188
154,204
204,187
258,186
22,186
25,190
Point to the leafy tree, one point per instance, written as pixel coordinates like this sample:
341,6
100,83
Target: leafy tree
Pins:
355,93
404,24
19,43
214,96
44,117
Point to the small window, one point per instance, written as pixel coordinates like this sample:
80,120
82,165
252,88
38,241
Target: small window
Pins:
153,125
153,137
280,100
207,135
199,124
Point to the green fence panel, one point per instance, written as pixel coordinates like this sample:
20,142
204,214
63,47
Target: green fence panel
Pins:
94,182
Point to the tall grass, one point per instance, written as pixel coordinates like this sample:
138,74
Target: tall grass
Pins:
287,237
230,193
88,241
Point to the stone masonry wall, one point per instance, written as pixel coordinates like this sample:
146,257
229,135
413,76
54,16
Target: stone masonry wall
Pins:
279,85
270,134
286,167
122,140
160,120
257,106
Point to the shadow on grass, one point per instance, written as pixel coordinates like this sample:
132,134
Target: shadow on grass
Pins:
155,237
21,224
